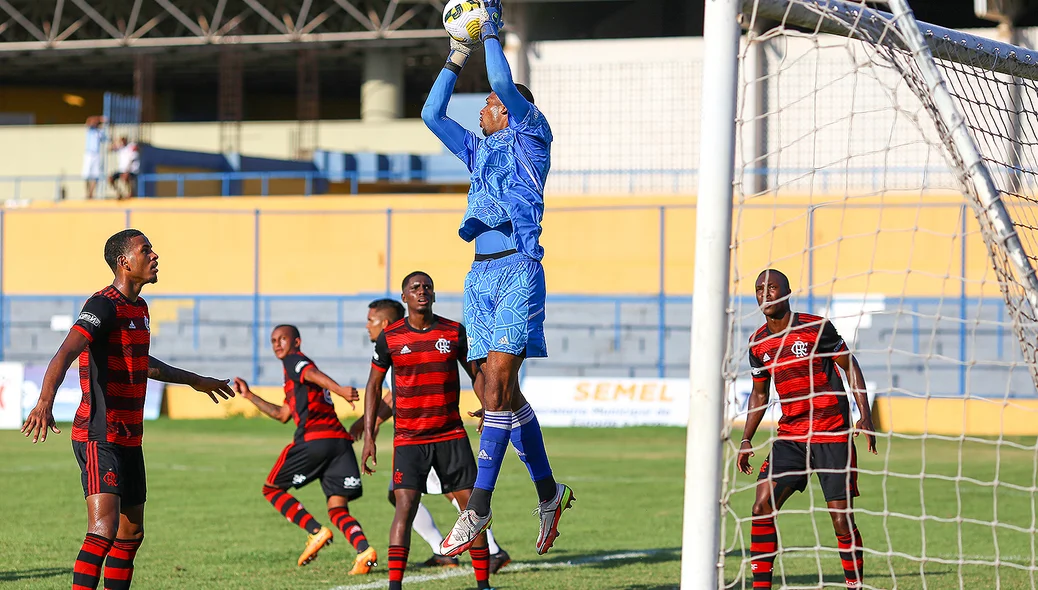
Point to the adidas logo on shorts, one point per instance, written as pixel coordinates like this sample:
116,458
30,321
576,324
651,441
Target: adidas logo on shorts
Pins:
503,340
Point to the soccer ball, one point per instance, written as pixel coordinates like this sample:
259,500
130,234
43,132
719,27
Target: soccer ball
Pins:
461,20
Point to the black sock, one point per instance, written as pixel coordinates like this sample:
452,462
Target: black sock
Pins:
480,501
546,489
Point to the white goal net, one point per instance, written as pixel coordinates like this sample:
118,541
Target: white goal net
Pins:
889,168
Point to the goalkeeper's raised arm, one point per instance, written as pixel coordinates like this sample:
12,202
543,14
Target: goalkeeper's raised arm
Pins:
460,142
498,72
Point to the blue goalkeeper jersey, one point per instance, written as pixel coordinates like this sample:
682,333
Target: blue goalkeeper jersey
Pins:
509,169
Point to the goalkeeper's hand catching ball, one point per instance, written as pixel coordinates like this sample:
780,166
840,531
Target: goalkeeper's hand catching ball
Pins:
491,20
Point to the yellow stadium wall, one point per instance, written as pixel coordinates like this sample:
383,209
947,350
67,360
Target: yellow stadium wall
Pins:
909,246
956,417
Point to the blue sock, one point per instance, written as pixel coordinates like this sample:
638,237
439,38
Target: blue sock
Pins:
493,442
529,445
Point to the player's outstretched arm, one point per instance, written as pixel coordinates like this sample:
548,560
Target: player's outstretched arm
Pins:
498,71
41,418
312,374
434,113
758,403
280,413
160,371
856,378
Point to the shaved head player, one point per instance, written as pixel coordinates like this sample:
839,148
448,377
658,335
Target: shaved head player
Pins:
801,354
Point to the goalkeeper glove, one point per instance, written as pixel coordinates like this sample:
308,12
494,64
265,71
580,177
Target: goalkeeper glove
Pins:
491,20
458,55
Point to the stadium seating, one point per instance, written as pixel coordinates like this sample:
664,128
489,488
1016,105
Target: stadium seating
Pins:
584,334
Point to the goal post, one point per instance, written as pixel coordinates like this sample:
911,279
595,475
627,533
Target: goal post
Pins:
713,235
890,167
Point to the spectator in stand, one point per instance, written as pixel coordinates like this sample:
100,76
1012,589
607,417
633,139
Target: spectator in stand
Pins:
129,165
95,137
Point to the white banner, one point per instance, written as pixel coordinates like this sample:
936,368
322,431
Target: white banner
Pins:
575,401
11,377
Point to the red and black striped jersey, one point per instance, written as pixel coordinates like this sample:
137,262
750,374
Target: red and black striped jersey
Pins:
113,369
311,405
426,385
800,359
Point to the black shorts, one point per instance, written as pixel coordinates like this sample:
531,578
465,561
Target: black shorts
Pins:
791,463
108,468
332,460
452,460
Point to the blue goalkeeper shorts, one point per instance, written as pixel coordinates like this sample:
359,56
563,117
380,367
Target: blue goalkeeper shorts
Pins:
504,307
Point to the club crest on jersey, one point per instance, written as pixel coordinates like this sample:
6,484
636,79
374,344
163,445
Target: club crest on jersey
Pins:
443,345
147,324
799,349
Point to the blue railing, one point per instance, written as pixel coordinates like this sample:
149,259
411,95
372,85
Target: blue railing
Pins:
314,182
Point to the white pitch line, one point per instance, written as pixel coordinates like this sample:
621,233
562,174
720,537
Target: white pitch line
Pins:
457,572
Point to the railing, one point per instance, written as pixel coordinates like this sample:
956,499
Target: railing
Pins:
587,181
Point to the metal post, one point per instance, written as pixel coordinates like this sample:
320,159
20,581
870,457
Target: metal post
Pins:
308,103
144,91
661,332
963,305
230,84
3,298
256,298
755,177
389,250
811,259
701,526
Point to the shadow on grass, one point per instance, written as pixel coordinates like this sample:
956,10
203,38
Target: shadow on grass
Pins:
601,560
39,572
837,580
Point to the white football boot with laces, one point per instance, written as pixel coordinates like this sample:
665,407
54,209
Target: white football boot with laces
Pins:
469,526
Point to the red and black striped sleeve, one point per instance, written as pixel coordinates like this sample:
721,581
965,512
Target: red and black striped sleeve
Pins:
381,358
97,319
757,367
829,340
296,366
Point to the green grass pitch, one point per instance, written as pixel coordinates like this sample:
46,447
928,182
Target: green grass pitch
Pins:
208,526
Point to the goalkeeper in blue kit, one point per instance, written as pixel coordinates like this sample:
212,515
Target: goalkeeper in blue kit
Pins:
504,291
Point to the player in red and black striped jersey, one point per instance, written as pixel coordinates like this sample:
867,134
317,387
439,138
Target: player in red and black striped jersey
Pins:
424,350
321,449
801,353
111,338
382,313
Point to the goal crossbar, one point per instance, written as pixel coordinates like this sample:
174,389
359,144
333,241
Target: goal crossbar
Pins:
866,24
